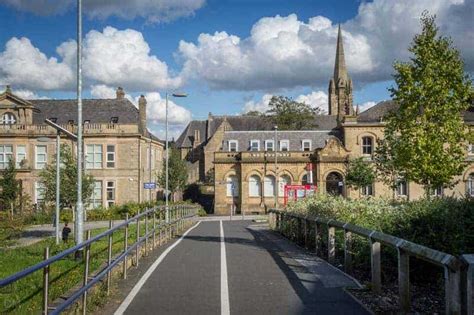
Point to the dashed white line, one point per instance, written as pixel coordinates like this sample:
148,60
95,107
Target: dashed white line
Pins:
225,308
123,307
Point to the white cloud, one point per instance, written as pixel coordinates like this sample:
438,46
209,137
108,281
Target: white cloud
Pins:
260,106
29,95
365,106
283,52
315,99
156,110
151,10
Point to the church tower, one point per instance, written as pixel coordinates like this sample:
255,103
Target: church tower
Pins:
340,86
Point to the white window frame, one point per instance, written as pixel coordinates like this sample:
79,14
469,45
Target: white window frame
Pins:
363,146
39,165
367,190
91,162
470,185
232,180
399,190
39,190
267,142
20,154
251,145
8,119
95,202
231,142
437,192
470,149
303,144
258,192
112,154
287,145
110,202
5,156
269,186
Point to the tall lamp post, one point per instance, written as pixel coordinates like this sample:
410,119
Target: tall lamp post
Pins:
79,222
167,153
276,165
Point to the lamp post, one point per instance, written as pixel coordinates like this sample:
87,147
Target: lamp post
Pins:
167,153
276,166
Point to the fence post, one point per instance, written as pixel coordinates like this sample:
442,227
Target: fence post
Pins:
125,247
468,284
154,228
109,258
45,283
86,273
146,233
317,238
161,214
452,284
331,244
306,230
137,249
404,280
375,266
347,251
299,231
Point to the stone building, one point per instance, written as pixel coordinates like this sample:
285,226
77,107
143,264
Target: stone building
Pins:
119,151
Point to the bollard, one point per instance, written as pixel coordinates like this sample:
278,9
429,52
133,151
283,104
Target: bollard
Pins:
137,249
125,247
45,282
109,258
404,280
317,238
331,244
347,251
86,274
146,233
375,266
154,228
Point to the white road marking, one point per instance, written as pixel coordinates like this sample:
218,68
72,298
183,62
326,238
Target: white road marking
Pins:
225,309
123,307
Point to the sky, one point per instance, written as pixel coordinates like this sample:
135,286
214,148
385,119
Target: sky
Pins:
229,56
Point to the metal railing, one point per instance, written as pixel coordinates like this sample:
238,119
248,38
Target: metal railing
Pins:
458,272
179,215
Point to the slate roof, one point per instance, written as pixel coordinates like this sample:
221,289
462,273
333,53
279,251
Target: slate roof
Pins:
94,110
184,139
318,138
376,113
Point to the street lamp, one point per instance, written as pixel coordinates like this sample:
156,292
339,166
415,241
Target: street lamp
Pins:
167,154
276,166
79,222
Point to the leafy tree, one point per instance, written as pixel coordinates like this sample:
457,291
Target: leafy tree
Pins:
254,113
178,173
288,114
425,138
386,170
9,186
68,180
359,174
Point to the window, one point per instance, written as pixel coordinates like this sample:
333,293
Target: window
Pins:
367,190
20,155
96,198
53,119
470,185
232,184
6,154
367,145
41,156
402,188
94,156
284,145
39,193
110,194
269,186
254,145
110,156
282,182
470,149
269,145
8,119
233,146
114,120
304,180
254,186
437,192
306,145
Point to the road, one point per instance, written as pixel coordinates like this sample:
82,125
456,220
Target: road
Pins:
238,267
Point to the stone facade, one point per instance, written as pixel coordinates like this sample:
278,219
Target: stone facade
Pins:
120,153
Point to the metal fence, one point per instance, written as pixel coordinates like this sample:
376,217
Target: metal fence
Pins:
458,272
160,231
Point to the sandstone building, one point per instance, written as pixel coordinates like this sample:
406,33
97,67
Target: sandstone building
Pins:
239,151
119,151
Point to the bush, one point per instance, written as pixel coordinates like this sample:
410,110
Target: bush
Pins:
202,212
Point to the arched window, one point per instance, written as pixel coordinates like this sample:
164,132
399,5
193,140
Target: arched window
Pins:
232,184
304,179
254,186
269,186
470,185
8,119
367,145
282,182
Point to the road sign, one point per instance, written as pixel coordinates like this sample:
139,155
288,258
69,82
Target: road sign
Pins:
149,185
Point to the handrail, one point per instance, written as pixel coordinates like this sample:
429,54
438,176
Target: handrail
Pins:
180,215
453,266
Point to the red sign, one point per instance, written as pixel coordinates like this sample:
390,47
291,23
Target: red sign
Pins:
295,192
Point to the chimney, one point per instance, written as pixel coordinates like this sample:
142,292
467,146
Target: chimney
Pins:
197,137
120,93
208,129
142,112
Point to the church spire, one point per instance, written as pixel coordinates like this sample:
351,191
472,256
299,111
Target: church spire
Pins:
340,70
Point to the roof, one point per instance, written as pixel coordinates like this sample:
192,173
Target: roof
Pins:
318,138
378,112
184,139
94,110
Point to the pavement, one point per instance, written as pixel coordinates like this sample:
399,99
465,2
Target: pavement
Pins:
233,267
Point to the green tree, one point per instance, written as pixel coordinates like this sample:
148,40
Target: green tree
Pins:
68,180
178,173
254,113
288,114
359,174
9,186
425,138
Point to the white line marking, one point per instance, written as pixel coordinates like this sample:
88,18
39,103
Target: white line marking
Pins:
123,307
225,309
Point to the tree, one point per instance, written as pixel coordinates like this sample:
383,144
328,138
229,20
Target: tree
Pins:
359,174
425,138
178,173
68,180
9,186
288,114
254,113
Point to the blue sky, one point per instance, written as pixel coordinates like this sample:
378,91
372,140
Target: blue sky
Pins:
262,47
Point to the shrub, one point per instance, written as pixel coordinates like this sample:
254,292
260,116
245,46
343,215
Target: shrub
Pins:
201,212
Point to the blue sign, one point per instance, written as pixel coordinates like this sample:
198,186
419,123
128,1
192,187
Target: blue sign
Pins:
149,185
